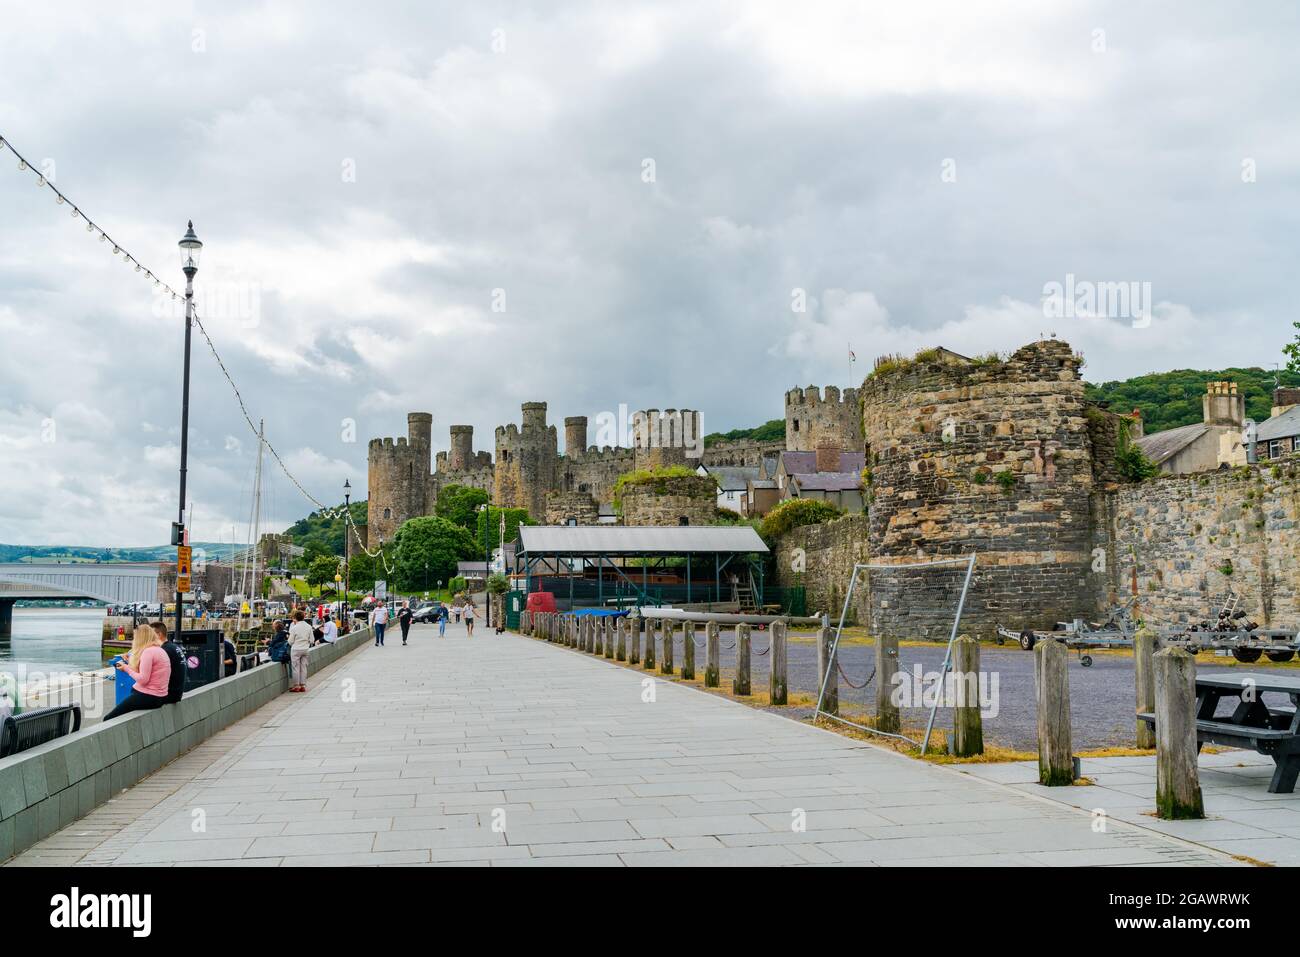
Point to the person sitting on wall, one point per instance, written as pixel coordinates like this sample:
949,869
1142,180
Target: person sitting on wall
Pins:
229,659
151,668
176,682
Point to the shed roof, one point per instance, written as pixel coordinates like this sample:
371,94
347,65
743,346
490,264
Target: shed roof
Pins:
639,540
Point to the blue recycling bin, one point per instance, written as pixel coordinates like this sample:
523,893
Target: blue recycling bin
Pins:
124,682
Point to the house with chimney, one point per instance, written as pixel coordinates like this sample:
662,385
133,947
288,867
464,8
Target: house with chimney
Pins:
1215,442
1279,434
829,474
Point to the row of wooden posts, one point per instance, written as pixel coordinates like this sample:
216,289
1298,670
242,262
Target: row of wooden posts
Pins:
620,639
1165,685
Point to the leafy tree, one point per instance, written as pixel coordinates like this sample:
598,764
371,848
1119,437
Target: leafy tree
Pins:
457,585
488,529
1292,352
1168,400
428,541
767,432
361,570
312,551
326,532
459,505
322,571
795,512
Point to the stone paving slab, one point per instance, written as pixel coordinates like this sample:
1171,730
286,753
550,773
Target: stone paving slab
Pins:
506,751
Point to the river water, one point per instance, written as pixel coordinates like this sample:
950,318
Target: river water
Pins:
53,640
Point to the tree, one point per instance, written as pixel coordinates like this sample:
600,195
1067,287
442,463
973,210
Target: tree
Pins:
498,584
459,504
488,528
361,571
428,541
322,571
1292,351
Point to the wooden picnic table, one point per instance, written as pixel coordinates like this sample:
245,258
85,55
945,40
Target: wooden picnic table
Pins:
1269,729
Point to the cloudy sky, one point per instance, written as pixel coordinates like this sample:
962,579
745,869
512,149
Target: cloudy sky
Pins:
461,207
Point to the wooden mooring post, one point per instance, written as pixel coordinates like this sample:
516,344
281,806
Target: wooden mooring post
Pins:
968,728
648,658
634,640
828,686
1178,783
887,717
597,635
712,656
688,651
666,662
608,624
1052,690
777,684
740,685
620,639
1144,647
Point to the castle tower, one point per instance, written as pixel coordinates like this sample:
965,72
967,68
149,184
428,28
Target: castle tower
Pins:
815,418
665,439
575,435
461,458
419,427
397,477
527,461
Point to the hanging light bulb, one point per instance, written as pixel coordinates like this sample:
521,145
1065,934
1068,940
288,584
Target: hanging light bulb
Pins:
58,198
116,250
90,228
22,164
40,181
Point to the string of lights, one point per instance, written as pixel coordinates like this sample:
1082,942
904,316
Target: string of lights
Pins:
92,227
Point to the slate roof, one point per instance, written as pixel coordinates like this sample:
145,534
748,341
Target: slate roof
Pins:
732,478
1160,446
829,481
1280,426
805,463
638,540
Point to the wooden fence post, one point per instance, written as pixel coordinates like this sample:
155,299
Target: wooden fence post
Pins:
712,656
597,635
887,717
571,626
778,691
688,651
634,640
740,685
968,728
1052,687
620,639
609,636
667,629
1144,646
826,676
1178,784
648,659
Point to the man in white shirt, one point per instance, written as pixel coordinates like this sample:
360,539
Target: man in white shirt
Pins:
379,619
329,631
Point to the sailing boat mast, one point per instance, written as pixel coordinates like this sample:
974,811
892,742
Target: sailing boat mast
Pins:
248,578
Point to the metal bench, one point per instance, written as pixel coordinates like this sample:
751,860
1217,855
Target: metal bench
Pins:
31,728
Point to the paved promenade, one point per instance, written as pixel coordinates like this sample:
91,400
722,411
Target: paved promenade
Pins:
504,750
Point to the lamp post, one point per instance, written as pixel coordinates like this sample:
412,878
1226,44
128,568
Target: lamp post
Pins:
347,524
190,249
486,509
426,579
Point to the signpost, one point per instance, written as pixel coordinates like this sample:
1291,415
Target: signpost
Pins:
183,553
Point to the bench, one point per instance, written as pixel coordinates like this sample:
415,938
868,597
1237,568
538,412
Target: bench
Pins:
22,731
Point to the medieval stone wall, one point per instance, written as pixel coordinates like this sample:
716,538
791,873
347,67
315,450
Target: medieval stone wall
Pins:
821,558
740,453
595,470
577,507
815,418
666,501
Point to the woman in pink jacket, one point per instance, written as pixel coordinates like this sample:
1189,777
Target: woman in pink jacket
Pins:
149,665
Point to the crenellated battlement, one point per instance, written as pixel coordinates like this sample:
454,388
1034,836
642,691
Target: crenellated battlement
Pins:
823,416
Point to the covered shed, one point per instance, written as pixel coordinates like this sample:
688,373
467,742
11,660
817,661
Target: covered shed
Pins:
621,565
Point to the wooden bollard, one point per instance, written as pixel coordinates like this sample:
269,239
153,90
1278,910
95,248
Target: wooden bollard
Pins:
1178,784
597,636
634,641
620,639
609,636
1144,647
666,663
648,659
688,651
968,727
571,630
828,686
778,692
712,656
592,635
1052,689
887,717
740,685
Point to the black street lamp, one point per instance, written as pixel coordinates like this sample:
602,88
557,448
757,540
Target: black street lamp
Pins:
347,523
190,249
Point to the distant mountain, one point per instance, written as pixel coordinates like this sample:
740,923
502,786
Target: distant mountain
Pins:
1171,399
325,532
212,551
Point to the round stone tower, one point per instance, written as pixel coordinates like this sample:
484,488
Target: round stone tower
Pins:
988,457
575,435
419,428
461,458
665,439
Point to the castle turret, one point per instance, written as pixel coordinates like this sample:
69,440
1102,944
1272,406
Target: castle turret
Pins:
527,463
462,448
575,434
814,417
665,439
419,427
534,416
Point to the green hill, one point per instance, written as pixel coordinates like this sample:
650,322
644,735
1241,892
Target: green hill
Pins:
767,432
325,532
86,553
1171,399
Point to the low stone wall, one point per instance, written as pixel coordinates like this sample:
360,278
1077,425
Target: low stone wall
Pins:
827,553
666,501
49,787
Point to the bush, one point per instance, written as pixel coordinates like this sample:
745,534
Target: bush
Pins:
459,504
1130,461
457,585
793,513
433,542
648,476
498,584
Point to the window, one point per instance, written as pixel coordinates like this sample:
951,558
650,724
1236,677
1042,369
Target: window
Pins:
570,521
1275,449
388,513
683,520
795,422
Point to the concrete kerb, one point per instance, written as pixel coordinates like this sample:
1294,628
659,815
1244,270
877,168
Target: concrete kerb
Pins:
49,787
1169,839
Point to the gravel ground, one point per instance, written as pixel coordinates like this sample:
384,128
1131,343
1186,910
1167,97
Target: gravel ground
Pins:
1101,696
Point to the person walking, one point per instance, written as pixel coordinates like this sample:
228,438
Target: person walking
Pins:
442,620
379,619
151,668
469,619
301,634
404,620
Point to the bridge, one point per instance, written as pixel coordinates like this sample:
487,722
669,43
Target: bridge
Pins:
115,583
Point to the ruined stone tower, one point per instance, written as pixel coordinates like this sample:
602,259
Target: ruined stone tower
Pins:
462,448
668,438
527,461
575,435
992,457
815,418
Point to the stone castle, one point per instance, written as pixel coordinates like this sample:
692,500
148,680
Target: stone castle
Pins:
527,469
